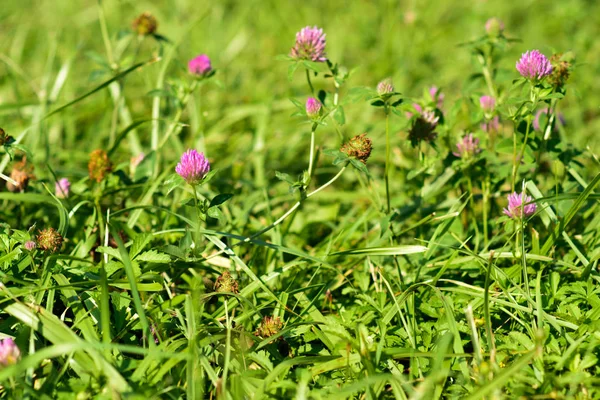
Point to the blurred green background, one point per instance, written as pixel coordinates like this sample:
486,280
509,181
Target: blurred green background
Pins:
415,42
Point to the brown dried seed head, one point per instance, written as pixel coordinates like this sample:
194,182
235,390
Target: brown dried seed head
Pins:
359,147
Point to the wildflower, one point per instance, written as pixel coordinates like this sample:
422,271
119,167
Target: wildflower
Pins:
61,188
359,147
268,327
385,87
544,112
21,173
49,240
561,70
192,167
491,126
200,65
467,147
310,45
145,24
99,165
487,103
423,128
313,107
30,245
226,284
518,207
533,65
494,27
9,352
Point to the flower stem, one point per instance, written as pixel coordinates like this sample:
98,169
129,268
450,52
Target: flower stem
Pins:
387,158
312,152
521,152
312,89
487,75
227,350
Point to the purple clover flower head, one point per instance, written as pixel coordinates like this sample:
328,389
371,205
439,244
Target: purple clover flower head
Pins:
544,112
494,26
61,188
200,65
467,147
533,65
487,103
518,207
313,107
417,108
385,87
310,45
192,167
30,245
9,352
491,126
437,96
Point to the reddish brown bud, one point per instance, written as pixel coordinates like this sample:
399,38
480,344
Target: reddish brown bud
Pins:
145,24
21,173
99,165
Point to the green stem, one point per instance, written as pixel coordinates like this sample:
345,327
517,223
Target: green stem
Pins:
105,37
227,352
312,152
197,230
312,89
485,188
472,211
387,158
487,75
521,152
178,114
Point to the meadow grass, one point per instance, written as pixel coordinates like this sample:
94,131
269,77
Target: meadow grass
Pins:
449,252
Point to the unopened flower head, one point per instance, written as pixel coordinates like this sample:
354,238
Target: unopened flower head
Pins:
494,27
268,327
358,147
518,207
467,147
30,245
313,107
310,45
385,87
99,165
487,103
21,173
62,188
49,240
533,65
145,24
200,65
542,116
9,352
226,284
192,167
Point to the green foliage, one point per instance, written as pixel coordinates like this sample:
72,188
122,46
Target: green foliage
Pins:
399,277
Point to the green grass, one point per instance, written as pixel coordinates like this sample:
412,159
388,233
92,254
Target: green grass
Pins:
441,297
